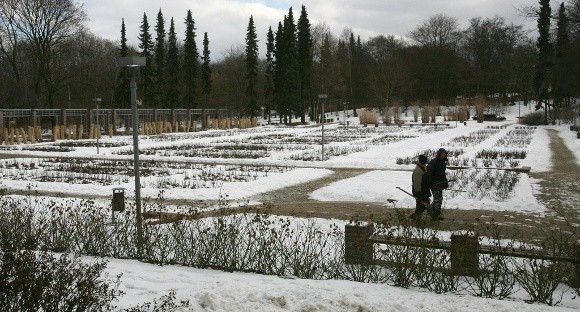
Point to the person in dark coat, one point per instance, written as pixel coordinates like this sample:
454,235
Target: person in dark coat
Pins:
419,191
437,181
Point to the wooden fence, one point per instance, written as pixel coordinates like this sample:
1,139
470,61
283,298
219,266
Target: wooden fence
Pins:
464,250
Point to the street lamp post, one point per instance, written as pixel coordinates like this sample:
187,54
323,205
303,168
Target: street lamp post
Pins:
322,98
97,101
133,63
344,112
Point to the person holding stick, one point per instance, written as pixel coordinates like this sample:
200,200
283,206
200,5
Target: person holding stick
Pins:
437,181
419,191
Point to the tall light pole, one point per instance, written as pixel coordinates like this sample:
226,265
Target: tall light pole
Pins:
322,98
97,101
133,63
344,112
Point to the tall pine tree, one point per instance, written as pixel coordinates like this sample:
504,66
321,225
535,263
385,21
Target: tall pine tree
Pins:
122,91
287,80
160,60
563,61
190,61
545,52
251,68
146,46
172,89
304,61
279,71
206,70
269,74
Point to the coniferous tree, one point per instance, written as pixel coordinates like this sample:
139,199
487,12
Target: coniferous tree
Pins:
304,61
251,68
291,82
352,63
269,74
562,62
545,52
172,90
160,60
190,61
206,84
146,46
122,89
279,71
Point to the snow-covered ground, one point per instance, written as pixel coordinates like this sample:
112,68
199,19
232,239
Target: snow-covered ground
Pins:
210,290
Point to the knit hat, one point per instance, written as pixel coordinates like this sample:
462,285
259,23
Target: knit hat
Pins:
422,159
441,151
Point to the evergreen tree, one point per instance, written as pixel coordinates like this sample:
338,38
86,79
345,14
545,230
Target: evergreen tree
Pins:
269,75
279,71
541,80
160,60
304,61
291,83
172,90
122,89
562,62
352,63
251,68
205,70
146,45
190,61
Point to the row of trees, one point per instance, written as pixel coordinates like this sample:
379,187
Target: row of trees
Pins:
51,60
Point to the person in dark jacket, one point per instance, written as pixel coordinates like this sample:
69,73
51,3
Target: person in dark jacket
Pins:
437,181
420,193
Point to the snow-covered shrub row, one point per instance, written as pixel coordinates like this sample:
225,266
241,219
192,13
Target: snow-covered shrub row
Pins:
452,155
114,172
266,244
520,137
473,138
315,153
478,184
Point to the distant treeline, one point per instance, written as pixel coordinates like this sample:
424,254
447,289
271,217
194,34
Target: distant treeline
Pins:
51,60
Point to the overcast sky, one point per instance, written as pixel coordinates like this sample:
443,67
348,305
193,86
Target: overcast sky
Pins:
226,21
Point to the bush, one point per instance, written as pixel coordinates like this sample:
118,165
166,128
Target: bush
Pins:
34,281
533,119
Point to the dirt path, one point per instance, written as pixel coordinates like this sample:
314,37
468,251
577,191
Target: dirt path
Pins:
560,186
299,193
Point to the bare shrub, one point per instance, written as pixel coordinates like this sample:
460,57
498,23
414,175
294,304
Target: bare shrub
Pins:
416,109
367,116
433,109
37,281
480,103
388,116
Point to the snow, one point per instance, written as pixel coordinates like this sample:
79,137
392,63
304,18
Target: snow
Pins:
210,290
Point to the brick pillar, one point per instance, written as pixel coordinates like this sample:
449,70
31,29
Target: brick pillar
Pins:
464,256
358,248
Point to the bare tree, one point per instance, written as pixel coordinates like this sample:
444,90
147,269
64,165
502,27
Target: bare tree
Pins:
45,25
438,31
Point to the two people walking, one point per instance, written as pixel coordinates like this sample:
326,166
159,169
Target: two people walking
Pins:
430,178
